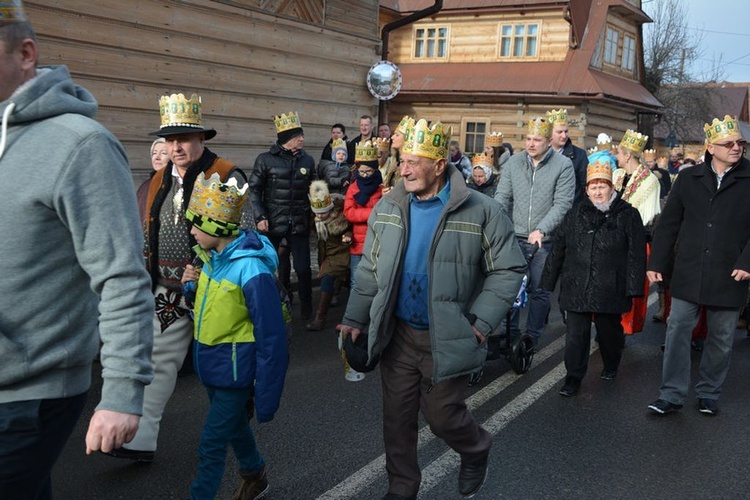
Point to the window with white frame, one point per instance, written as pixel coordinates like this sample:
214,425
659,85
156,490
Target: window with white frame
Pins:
519,40
628,53
431,42
474,132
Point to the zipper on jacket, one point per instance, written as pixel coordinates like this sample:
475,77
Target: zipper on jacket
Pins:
198,323
531,194
234,361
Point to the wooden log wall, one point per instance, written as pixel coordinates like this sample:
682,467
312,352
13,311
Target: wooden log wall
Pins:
247,59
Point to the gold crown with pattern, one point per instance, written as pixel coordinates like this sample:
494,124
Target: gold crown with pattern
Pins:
494,139
338,143
722,129
599,170
649,154
558,116
428,141
11,11
177,111
320,197
634,141
286,122
481,160
383,144
217,200
407,123
366,151
540,126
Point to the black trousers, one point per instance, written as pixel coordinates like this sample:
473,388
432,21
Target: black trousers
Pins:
299,246
578,341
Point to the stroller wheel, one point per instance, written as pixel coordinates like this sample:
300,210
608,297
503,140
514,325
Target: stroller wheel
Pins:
522,354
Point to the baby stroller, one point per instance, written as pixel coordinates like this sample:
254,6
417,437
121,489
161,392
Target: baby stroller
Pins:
519,352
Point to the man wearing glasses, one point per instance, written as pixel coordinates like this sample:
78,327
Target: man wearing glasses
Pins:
705,223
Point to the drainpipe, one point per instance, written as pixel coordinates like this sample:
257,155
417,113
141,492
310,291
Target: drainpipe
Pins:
398,23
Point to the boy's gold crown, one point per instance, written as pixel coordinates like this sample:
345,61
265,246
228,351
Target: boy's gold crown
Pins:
286,122
219,201
649,154
481,159
540,126
599,170
338,143
407,122
366,151
320,197
634,141
11,11
722,129
177,111
494,139
428,142
558,116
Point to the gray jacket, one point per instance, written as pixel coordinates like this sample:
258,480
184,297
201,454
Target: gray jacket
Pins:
537,198
475,271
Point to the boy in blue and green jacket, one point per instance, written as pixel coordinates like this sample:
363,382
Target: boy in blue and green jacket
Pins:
240,343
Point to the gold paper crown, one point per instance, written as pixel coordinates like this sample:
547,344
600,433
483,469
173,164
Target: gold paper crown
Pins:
428,142
722,129
481,160
286,122
177,111
634,141
593,150
649,154
494,139
11,11
366,151
599,171
558,117
338,143
383,144
603,142
540,126
320,197
219,201
407,122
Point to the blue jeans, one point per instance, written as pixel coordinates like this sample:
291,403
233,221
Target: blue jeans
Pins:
32,436
226,423
353,265
717,351
539,299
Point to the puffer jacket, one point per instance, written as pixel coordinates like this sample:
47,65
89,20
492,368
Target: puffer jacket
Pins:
240,332
600,258
336,175
474,274
537,198
279,184
358,215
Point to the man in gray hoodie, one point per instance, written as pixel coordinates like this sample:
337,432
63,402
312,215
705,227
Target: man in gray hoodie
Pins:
74,273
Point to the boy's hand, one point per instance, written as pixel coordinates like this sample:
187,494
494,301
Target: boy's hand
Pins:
191,274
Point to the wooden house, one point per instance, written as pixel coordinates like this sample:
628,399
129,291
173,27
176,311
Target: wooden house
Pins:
247,59
491,65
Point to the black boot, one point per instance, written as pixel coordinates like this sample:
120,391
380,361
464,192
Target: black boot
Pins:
319,322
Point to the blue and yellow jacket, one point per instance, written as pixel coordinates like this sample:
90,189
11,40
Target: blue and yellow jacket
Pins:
240,333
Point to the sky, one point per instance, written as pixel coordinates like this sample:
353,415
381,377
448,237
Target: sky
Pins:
726,37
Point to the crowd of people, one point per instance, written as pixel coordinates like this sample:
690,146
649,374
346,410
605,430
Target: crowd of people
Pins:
433,245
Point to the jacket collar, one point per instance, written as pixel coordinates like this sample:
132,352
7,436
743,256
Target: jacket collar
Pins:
459,190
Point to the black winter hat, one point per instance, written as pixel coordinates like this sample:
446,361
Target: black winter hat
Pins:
356,354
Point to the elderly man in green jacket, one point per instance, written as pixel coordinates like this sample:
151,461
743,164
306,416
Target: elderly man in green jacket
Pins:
440,269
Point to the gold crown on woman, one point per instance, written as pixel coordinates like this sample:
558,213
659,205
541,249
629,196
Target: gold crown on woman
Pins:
494,139
217,200
366,151
406,123
428,141
540,126
557,116
481,159
599,170
721,129
286,122
649,154
634,141
178,111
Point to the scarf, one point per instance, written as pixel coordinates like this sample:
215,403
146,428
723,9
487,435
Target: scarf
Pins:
367,186
604,207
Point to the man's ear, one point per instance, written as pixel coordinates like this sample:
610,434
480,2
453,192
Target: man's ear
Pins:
440,167
29,54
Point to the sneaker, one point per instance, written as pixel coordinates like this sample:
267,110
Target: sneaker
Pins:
662,407
354,376
608,374
708,407
141,456
471,477
254,485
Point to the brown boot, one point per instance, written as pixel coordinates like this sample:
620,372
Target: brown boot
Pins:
319,322
659,316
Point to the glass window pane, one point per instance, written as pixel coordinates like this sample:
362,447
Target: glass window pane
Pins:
533,29
469,146
507,30
505,47
420,33
441,48
531,46
419,49
443,32
518,47
481,127
431,33
430,47
520,28
470,127
479,145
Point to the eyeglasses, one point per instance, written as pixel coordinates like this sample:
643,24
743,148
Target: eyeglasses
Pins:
365,173
731,144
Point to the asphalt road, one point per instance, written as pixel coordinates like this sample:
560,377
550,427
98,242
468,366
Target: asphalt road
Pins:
325,441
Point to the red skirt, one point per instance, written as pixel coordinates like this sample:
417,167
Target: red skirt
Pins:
634,320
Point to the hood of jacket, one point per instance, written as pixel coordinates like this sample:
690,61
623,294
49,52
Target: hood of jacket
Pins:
248,244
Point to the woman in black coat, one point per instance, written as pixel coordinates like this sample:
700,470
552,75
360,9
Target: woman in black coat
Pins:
600,256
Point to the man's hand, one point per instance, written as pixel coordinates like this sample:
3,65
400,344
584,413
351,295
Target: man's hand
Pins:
653,276
262,226
740,275
480,338
191,274
348,330
109,430
535,238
